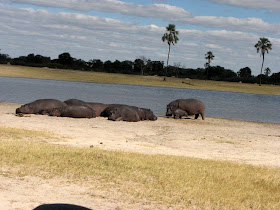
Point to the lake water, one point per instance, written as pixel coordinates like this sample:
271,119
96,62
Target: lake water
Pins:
243,106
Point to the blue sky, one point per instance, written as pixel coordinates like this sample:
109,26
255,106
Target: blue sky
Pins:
124,30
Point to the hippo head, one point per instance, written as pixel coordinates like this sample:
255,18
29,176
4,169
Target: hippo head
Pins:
114,114
55,112
24,109
150,115
168,110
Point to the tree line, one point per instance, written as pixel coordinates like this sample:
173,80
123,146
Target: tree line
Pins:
143,66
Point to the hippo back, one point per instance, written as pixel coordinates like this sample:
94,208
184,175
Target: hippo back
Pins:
38,106
191,106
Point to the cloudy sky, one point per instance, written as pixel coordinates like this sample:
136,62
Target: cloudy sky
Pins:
126,29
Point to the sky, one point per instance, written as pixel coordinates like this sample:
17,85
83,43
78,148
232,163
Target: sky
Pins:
126,30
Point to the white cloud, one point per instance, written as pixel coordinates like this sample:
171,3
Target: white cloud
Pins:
271,5
167,13
25,31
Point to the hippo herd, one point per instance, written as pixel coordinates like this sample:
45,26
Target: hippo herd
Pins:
117,112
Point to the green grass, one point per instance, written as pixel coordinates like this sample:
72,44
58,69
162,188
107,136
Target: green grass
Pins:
178,182
98,77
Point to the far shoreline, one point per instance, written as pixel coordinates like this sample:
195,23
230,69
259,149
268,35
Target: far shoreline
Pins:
12,71
139,85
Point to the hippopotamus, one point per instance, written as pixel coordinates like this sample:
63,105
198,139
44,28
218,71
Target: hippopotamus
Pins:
75,111
191,106
179,113
38,106
124,113
75,102
143,113
97,107
146,114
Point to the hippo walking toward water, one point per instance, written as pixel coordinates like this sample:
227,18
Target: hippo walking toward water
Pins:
74,111
38,106
191,106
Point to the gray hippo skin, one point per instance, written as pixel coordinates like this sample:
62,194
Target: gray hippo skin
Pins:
38,106
179,113
191,106
124,113
97,107
74,111
148,114
75,102
143,113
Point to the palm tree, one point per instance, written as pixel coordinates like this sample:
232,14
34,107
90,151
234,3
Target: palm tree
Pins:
208,56
263,46
171,37
267,71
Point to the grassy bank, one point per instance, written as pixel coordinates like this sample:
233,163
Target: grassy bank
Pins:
165,180
98,77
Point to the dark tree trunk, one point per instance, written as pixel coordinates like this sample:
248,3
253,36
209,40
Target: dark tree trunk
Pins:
261,71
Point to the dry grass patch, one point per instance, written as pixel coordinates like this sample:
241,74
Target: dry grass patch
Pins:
11,134
178,182
99,77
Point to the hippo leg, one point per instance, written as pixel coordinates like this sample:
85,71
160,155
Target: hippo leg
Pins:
202,115
176,117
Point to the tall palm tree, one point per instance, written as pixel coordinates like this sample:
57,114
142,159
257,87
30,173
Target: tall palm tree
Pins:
171,37
263,45
209,57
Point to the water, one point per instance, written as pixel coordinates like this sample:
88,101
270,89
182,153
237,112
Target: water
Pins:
243,106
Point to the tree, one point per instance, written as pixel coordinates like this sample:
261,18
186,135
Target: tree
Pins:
65,59
95,65
267,71
263,46
4,58
244,73
171,37
142,61
177,67
208,56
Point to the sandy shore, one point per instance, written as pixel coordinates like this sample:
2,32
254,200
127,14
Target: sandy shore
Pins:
219,139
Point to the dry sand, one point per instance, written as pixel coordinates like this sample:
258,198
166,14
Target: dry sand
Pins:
219,139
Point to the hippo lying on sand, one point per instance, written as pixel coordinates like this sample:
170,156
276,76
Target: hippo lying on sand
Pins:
191,106
38,106
143,113
97,107
124,113
74,111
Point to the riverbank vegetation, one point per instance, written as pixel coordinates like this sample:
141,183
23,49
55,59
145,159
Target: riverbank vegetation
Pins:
115,78
177,182
143,66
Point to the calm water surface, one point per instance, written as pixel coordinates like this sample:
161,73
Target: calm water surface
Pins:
243,106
